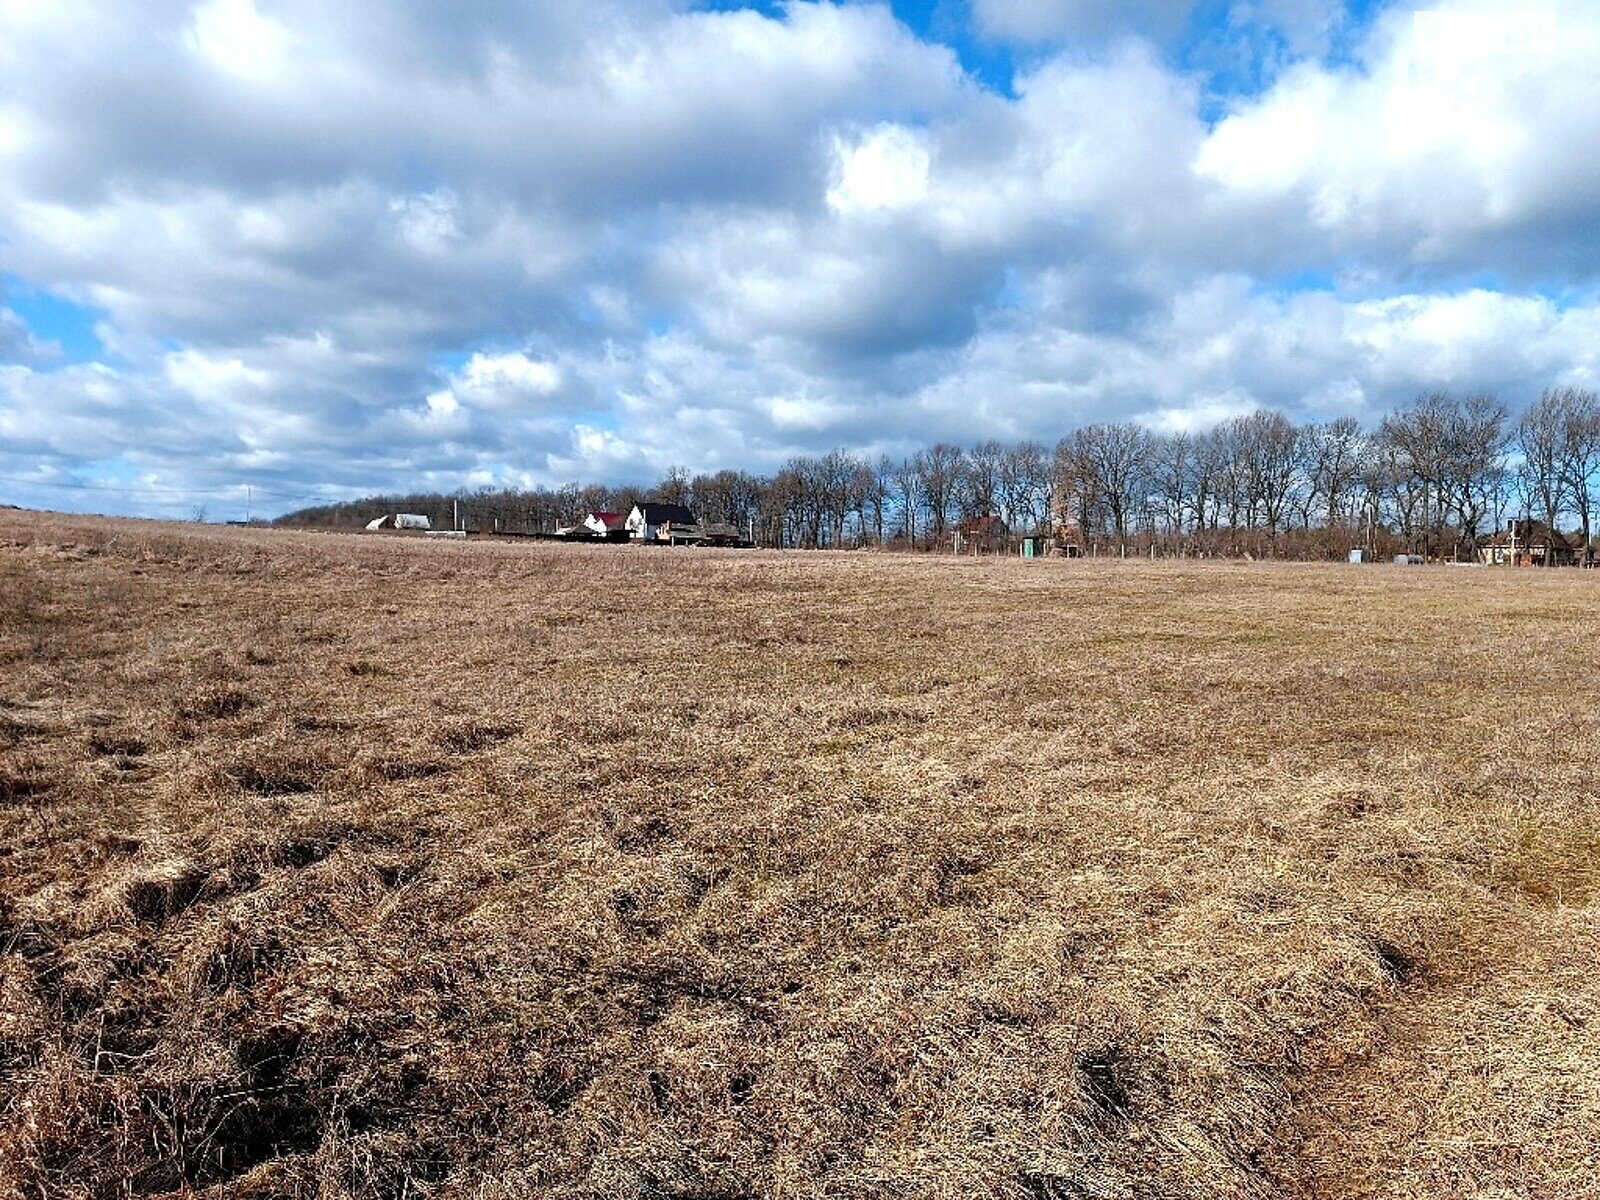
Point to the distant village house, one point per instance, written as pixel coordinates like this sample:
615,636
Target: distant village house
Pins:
609,525
1530,543
653,522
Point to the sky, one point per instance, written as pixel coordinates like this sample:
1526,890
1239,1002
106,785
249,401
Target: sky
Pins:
272,252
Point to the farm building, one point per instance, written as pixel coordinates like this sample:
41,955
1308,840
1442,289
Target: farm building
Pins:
982,535
662,523
609,525
1530,543
401,521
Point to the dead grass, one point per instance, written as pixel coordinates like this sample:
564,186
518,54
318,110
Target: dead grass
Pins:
348,866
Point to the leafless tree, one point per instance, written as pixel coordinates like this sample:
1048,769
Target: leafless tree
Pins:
1540,435
1024,492
907,481
1333,455
981,474
939,470
1581,456
1110,463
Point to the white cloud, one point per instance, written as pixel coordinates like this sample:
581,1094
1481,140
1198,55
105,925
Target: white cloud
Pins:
885,169
1448,145
652,234
204,377
505,380
234,37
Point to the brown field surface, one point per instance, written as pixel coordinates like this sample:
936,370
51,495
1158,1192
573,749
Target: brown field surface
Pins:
339,865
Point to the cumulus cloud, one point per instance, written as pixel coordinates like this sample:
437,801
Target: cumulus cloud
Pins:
386,244
1448,146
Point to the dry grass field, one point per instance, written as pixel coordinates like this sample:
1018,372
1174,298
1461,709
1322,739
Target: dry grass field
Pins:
340,865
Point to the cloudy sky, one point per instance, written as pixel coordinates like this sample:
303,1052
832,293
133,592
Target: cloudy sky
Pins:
325,250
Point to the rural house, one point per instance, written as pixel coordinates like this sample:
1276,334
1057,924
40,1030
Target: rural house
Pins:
662,523
609,525
1529,543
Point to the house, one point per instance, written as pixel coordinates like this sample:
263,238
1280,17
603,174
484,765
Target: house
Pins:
1530,543
982,535
609,525
653,522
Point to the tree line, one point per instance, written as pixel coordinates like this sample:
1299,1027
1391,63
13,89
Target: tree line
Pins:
1433,478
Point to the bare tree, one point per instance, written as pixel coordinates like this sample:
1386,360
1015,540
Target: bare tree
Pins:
1110,464
1476,438
1269,449
907,481
1024,492
673,487
981,478
939,470
1172,472
1540,435
1581,454
1333,467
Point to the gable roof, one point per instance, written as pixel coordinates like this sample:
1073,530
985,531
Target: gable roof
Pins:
664,514
610,520
1532,533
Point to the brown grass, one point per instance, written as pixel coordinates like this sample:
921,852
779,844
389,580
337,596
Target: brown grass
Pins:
348,866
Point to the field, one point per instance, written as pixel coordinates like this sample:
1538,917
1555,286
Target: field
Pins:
341,865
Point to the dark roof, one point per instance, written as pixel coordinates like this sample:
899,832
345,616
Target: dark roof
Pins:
1536,533
663,514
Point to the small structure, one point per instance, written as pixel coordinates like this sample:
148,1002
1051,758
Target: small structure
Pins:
613,527
667,523
1068,533
1035,546
1529,543
1358,555
401,521
981,535
720,533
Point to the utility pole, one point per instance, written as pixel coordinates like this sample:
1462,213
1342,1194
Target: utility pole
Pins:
247,504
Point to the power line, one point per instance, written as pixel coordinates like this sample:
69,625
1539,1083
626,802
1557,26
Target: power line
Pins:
157,489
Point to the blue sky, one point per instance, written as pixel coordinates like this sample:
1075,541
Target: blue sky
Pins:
322,252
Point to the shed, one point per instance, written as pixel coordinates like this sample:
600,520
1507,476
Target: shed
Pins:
411,521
